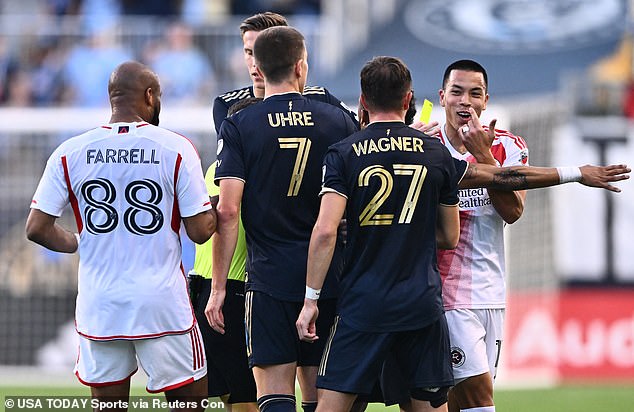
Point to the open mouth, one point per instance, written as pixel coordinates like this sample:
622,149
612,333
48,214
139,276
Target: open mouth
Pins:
464,115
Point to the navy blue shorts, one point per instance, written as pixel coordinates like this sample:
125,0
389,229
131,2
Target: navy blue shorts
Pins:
271,333
354,360
227,366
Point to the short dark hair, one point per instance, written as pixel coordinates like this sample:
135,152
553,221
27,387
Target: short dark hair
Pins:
465,65
276,50
261,21
384,82
242,104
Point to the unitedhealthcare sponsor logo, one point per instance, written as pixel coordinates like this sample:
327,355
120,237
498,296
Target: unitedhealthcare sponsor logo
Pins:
472,199
515,26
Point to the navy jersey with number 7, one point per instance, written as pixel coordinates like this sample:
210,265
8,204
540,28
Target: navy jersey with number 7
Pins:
277,148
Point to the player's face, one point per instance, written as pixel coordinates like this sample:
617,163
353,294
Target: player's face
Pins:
464,89
248,40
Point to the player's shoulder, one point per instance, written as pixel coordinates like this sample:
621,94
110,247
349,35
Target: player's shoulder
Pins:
167,137
229,98
315,92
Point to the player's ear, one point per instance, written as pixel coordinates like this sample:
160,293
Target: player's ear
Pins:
441,95
149,96
407,99
299,68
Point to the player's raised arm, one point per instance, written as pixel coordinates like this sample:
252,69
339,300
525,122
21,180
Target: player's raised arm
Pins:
530,177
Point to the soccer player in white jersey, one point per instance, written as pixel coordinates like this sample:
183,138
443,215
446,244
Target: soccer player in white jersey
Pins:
474,290
130,184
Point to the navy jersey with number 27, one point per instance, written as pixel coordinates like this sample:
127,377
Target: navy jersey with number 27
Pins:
394,178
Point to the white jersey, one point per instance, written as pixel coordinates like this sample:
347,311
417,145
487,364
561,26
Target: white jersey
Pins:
128,184
473,273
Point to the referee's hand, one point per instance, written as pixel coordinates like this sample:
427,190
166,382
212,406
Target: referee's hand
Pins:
213,310
305,324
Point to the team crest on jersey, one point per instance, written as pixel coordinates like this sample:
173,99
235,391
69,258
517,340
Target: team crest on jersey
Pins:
457,357
524,156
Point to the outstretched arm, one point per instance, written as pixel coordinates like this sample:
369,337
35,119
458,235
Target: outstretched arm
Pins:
530,177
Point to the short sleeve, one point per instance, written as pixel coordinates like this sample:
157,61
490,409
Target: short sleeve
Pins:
333,174
230,163
51,195
449,191
190,186
516,152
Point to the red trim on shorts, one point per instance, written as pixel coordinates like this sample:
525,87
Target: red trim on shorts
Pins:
99,385
148,336
71,195
176,215
171,387
198,350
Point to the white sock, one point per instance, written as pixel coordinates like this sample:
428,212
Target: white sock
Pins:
480,409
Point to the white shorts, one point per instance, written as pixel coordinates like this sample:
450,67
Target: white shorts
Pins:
476,339
169,361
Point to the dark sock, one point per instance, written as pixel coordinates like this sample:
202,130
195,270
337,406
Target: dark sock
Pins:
277,403
309,406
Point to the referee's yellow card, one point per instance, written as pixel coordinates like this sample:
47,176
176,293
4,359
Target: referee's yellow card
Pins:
425,112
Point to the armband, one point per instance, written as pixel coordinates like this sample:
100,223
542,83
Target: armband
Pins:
312,293
569,174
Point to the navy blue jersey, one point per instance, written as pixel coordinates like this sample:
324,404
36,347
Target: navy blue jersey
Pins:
394,178
223,102
277,148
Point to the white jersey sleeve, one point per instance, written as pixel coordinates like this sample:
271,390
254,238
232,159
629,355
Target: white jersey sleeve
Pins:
473,274
51,196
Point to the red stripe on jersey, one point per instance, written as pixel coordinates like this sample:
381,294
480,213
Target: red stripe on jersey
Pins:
176,215
519,141
142,124
106,127
499,153
71,195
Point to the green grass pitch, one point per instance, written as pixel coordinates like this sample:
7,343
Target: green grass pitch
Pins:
578,398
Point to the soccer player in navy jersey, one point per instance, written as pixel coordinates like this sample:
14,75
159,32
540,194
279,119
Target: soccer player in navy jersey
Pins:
238,378
269,170
399,189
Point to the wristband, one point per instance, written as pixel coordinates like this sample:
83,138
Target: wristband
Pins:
312,293
569,174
